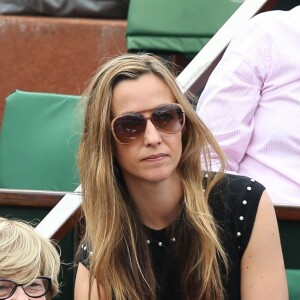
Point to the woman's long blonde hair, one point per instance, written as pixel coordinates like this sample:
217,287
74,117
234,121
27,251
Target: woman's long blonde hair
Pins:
120,262
25,255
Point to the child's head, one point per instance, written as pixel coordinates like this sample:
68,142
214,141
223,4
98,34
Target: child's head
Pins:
25,255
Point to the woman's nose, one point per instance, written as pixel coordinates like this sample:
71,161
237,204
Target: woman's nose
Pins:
152,135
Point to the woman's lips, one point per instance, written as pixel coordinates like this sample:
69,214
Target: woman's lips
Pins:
155,156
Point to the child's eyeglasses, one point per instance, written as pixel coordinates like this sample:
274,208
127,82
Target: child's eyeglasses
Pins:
36,289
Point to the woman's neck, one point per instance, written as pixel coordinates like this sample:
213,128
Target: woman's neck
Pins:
158,204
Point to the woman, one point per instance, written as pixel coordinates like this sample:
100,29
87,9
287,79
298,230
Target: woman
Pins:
29,264
157,227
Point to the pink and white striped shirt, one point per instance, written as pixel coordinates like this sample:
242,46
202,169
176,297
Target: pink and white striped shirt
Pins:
251,103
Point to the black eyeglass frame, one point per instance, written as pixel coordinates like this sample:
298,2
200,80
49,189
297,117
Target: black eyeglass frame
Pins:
16,285
148,118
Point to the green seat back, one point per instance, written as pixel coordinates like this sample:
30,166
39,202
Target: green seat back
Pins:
39,141
293,278
290,237
175,25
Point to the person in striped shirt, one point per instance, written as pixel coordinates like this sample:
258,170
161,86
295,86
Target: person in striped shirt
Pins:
251,103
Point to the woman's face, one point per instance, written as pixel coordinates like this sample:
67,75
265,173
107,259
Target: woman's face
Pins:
154,156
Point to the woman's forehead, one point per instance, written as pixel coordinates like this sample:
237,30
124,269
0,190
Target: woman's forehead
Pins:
142,94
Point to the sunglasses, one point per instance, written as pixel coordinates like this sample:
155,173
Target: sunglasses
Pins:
167,118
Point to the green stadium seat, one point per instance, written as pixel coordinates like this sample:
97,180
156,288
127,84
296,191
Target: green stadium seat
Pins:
175,26
38,142
293,278
290,235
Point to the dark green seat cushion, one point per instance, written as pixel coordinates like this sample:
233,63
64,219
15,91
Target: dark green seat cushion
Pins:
290,235
175,25
39,141
293,278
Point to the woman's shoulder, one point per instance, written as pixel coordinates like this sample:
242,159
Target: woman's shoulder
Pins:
234,187
234,202
240,193
236,193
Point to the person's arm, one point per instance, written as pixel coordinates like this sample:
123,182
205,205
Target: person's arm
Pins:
233,92
81,290
262,269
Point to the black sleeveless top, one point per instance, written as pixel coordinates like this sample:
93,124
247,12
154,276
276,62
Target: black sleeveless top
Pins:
233,201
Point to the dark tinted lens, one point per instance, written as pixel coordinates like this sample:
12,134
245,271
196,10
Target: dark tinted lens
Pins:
168,118
129,127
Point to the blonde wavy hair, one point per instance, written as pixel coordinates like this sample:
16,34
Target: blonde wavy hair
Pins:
25,255
120,263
